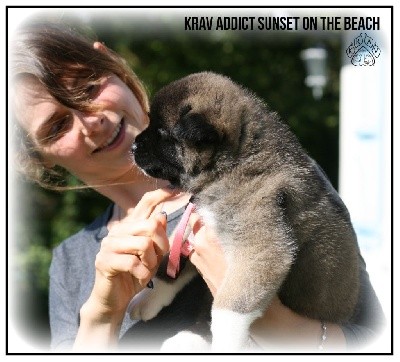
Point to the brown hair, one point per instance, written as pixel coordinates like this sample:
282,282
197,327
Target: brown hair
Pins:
56,54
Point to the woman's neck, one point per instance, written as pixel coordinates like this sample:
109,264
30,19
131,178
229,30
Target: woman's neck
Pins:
127,191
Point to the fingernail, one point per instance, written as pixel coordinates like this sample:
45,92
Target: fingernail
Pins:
163,213
150,284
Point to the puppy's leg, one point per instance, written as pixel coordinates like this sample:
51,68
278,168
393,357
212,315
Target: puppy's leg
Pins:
230,329
251,281
147,304
185,342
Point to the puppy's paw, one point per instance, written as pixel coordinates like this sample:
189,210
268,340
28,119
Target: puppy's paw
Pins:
142,308
149,302
230,330
185,342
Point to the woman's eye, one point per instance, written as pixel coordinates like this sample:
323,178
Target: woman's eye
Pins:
92,90
58,127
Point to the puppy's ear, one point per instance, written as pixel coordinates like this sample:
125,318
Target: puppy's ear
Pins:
195,130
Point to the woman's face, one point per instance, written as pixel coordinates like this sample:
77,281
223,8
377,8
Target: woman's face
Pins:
93,146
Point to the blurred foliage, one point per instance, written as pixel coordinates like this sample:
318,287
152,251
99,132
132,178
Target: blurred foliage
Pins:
268,65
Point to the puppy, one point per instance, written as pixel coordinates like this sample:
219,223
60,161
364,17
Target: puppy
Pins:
282,227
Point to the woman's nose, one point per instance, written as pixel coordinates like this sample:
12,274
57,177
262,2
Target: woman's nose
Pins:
91,122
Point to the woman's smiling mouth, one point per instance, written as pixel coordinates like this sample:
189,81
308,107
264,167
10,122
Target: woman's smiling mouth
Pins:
114,140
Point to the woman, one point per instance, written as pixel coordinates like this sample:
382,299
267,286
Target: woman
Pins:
79,107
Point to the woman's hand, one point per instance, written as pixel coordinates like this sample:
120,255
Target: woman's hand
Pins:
207,255
128,259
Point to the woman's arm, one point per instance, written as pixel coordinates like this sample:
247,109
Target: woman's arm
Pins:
128,258
281,328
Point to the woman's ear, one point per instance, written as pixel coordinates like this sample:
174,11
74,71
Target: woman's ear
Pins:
100,47
38,158
48,164
44,161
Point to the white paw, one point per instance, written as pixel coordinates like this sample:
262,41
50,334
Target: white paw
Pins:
185,341
149,302
140,308
230,330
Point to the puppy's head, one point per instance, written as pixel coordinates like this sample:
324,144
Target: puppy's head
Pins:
194,131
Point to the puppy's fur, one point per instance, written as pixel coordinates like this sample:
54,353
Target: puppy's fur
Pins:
282,227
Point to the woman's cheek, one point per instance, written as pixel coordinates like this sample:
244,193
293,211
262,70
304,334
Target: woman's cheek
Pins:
65,148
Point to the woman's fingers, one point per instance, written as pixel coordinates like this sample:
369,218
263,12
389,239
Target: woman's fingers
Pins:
160,238
140,246
195,222
118,264
131,253
145,207
199,231
153,228
134,248
207,255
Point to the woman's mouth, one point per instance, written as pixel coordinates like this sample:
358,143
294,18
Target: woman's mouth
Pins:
114,140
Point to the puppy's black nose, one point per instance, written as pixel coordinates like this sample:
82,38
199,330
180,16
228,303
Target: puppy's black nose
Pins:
134,147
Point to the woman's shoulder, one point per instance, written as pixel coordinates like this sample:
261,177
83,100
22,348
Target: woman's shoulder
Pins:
72,268
86,240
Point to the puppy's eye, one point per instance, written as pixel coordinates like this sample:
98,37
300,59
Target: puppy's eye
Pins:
163,133
185,110
196,131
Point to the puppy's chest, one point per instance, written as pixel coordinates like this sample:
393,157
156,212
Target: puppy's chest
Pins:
208,215
216,219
